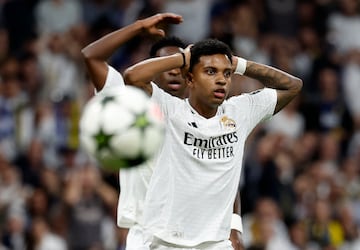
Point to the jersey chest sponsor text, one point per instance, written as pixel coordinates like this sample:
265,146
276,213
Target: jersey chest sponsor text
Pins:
218,147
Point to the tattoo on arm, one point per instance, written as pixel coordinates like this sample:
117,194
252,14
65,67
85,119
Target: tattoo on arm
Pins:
269,76
287,86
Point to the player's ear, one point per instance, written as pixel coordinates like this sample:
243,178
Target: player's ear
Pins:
189,78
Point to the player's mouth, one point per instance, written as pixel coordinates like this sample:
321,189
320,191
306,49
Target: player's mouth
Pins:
220,93
174,85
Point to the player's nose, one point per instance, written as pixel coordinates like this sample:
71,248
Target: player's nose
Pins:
221,80
175,72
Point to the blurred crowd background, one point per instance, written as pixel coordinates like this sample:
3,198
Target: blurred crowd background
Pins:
300,185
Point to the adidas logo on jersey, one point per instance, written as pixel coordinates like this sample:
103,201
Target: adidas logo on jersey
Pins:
192,124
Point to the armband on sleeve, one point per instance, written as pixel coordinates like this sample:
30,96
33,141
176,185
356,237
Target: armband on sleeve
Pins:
236,223
241,66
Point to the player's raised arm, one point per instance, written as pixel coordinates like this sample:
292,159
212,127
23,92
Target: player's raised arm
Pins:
141,74
287,86
97,53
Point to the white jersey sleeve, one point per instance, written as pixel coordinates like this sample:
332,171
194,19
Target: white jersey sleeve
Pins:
167,102
259,104
114,82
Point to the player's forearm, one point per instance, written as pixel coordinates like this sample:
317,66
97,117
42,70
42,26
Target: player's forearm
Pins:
287,86
97,53
272,77
106,46
142,73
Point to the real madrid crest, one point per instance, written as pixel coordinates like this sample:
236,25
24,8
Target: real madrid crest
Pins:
227,123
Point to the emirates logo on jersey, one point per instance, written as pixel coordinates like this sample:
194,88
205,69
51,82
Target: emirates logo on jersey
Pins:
227,123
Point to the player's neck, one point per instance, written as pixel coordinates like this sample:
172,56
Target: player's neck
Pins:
203,110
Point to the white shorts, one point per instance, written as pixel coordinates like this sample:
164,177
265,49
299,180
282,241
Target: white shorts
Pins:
158,244
136,239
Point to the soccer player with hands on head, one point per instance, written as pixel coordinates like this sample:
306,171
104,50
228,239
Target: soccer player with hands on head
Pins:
105,79
201,159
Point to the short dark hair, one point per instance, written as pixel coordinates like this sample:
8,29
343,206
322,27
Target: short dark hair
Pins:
170,41
208,47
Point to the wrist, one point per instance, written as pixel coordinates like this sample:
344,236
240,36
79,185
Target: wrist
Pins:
236,223
241,66
183,59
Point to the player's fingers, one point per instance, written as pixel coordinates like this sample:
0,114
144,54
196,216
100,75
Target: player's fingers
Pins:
171,18
157,19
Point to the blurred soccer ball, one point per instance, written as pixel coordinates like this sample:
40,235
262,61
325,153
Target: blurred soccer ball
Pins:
121,130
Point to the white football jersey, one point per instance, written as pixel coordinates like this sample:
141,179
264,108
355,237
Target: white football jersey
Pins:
196,174
114,82
133,181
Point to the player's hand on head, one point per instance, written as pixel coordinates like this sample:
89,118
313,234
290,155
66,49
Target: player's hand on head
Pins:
154,24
